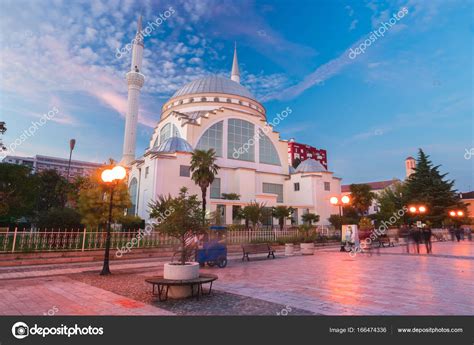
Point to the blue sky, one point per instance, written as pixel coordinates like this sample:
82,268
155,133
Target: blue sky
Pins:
411,88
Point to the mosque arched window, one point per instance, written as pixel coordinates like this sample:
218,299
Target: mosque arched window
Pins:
191,100
180,102
167,131
228,100
241,140
203,99
267,151
133,191
216,99
212,139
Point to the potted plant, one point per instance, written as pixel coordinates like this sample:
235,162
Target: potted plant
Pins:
180,217
309,236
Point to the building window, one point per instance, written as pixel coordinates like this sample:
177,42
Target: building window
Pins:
216,99
228,100
184,170
216,188
240,140
296,186
327,186
235,214
220,214
376,208
147,170
132,189
274,188
212,139
203,99
167,131
268,153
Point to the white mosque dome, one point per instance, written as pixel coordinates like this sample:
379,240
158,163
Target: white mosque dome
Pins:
174,144
214,84
310,165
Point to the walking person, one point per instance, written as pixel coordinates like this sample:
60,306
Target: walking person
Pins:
457,232
427,233
417,239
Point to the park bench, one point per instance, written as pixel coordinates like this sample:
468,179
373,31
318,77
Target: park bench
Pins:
260,248
160,285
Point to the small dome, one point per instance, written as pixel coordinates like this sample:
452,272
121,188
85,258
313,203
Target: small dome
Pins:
213,84
310,165
174,144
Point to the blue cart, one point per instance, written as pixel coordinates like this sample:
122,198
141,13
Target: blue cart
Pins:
213,253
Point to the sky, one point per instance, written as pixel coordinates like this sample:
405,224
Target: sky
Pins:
409,84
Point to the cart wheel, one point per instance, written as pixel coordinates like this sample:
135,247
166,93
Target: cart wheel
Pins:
222,262
211,263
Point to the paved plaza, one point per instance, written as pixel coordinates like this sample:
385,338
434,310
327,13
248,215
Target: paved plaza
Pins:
390,282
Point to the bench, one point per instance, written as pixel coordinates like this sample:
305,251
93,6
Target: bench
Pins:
163,285
260,248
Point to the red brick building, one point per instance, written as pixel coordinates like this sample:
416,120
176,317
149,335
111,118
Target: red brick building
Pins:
303,151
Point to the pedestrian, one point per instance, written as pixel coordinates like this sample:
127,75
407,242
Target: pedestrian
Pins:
427,233
405,234
417,239
457,232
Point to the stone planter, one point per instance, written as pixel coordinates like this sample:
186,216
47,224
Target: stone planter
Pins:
289,249
180,272
307,248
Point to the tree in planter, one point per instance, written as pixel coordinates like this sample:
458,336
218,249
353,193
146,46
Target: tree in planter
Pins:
310,218
204,170
308,234
183,220
281,213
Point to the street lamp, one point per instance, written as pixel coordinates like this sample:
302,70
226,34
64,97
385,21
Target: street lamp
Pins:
456,213
111,178
417,210
345,200
72,144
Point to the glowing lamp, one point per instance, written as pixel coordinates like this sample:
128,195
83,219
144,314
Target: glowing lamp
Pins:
107,175
119,172
333,200
460,213
452,214
412,209
422,209
345,199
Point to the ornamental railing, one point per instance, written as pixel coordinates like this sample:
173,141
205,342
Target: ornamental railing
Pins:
27,240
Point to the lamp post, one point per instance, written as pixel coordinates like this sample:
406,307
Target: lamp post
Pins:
111,178
72,144
417,210
342,201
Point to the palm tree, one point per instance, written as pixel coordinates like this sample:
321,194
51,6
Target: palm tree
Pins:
204,170
281,213
253,213
310,218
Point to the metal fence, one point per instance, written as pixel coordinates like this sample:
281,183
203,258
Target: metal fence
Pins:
26,240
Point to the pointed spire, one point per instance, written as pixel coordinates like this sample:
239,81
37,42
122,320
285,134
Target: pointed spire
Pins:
235,74
139,35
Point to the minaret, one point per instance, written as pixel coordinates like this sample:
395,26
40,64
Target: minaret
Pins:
410,165
135,82
235,74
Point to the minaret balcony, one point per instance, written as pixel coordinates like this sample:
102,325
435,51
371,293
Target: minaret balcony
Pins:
135,78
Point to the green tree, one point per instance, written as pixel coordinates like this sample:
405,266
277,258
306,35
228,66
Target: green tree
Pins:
52,191
429,187
310,218
182,220
362,197
253,213
204,170
336,221
390,201
281,213
18,192
94,200
60,218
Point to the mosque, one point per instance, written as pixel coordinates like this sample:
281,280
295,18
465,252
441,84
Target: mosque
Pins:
220,113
